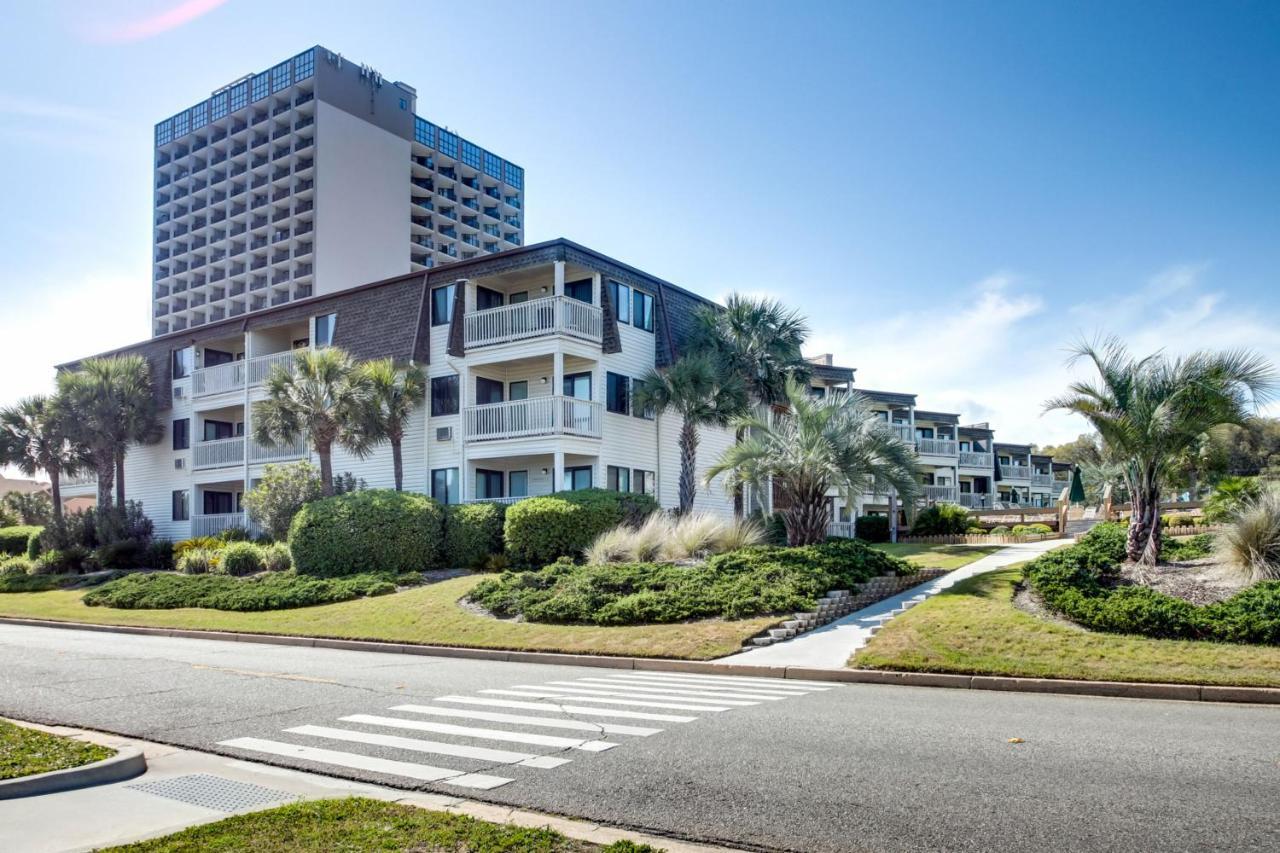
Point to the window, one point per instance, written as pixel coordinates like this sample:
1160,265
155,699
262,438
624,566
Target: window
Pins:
964,447
643,481
518,484
218,106
259,86
181,506
618,479
404,105
518,390
182,434
214,357
444,395
518,298
324,328
470,154
488,391
280,77
488,483
304,64
448,143
817,392
513,175
181,124
424,132
444,485
617,393
577,478
486,298
620,296
217,430
924,432
645,412
199,115
184,361
579,290
442,304
577,385
219,503
642,310
239,96
164,132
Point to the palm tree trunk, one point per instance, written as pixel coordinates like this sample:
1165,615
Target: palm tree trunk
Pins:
105,466
807,518
397,463
1143,543
55,491
893,516
688,465
325,452
120,478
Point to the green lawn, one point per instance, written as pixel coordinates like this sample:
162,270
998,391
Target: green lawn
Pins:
937,556
359,824
426,615
974,628
24,752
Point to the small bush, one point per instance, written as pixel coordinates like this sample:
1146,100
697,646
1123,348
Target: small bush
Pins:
472,533
541,530
941,520
273,591
239,559
365,531
235,534
275,557
280,495
124,554
197,543
872,528
1252,541
76,529
15,540
999,530
34,509
198,561
21,582
71,560
33,544
16,566
1036,529
1179,520
159,555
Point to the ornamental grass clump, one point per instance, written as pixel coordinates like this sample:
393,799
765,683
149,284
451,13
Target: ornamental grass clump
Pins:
1251,542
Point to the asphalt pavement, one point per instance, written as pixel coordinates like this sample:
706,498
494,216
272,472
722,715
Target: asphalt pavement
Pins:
755,763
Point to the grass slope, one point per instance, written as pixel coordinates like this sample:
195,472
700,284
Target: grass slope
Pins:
363,824
937,556
25,752
974,628
427,615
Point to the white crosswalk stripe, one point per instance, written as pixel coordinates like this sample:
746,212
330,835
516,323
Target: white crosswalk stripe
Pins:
480,733
391,767
498,756
652,688
741,680
625,690
688,684
519,719
578,696
566,709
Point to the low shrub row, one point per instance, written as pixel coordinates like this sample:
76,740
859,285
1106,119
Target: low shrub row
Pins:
543,529
278,591
1078,582
14,541
749,582
237,558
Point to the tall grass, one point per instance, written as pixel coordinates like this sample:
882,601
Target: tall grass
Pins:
1252,541
696,536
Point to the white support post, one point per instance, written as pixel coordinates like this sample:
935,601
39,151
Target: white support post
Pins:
557,472
558,290
596,286
464,396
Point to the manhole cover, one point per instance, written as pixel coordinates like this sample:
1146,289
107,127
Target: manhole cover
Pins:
213,792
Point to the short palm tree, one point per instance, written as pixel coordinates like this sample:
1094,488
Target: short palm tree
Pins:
110,403
33,439
394,392
1149,410
760,340
704,394
819,446
324,398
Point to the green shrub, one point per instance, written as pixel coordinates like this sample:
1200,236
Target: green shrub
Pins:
366,531
941,520
14,540
999,530
871,528
121,523
76,529
1230,496
197,543
1036,529
1251,542
472,532
275,557
543,529
277,591
281,494
16,566
34,509
752,581
239,559
71,560
33,544
22,582
159,555
123,554
1179,520
235,534
198,561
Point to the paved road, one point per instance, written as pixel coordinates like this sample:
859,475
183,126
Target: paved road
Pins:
752,763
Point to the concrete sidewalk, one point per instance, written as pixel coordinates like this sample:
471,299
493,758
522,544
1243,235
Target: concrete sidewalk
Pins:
833,644
184,787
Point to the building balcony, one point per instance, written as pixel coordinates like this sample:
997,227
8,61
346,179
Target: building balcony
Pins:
1015,472
1040,479
977,500
941,494
230,452
222,378
538,416
212,525
970,459
936,446
554,315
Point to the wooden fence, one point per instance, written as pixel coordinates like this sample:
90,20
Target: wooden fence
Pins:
977,539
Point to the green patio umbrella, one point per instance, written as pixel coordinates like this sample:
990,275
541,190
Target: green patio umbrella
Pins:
1077,486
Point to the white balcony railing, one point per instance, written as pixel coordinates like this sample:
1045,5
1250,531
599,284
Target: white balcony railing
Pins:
977,500
537,317
220,453
944,494
535,416
905,432
969,459
212,525
936,446
1039,479
842,529
1015,472
260,367
262,453
222,378
78,481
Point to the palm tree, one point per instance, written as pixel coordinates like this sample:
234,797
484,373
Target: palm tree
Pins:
1147,411
110,403
33,439
757,339
703,393
323,398
836,443
394,394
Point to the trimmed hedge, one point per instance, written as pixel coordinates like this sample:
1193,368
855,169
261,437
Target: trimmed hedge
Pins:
14,541
239,559
376,530
941,520
871,528
753,581
1076,581
472,534
543,529
274,591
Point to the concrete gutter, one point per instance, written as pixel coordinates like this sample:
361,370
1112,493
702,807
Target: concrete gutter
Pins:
127,763
1118,689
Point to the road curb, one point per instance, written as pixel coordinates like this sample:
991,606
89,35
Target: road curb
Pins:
1113,689
127,763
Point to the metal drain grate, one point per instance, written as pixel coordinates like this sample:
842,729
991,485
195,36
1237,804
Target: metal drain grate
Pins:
213,792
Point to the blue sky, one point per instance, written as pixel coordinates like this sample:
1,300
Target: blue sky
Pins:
953,192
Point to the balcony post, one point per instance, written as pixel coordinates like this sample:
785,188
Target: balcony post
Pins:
557,373
557,471
464,396
558,290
